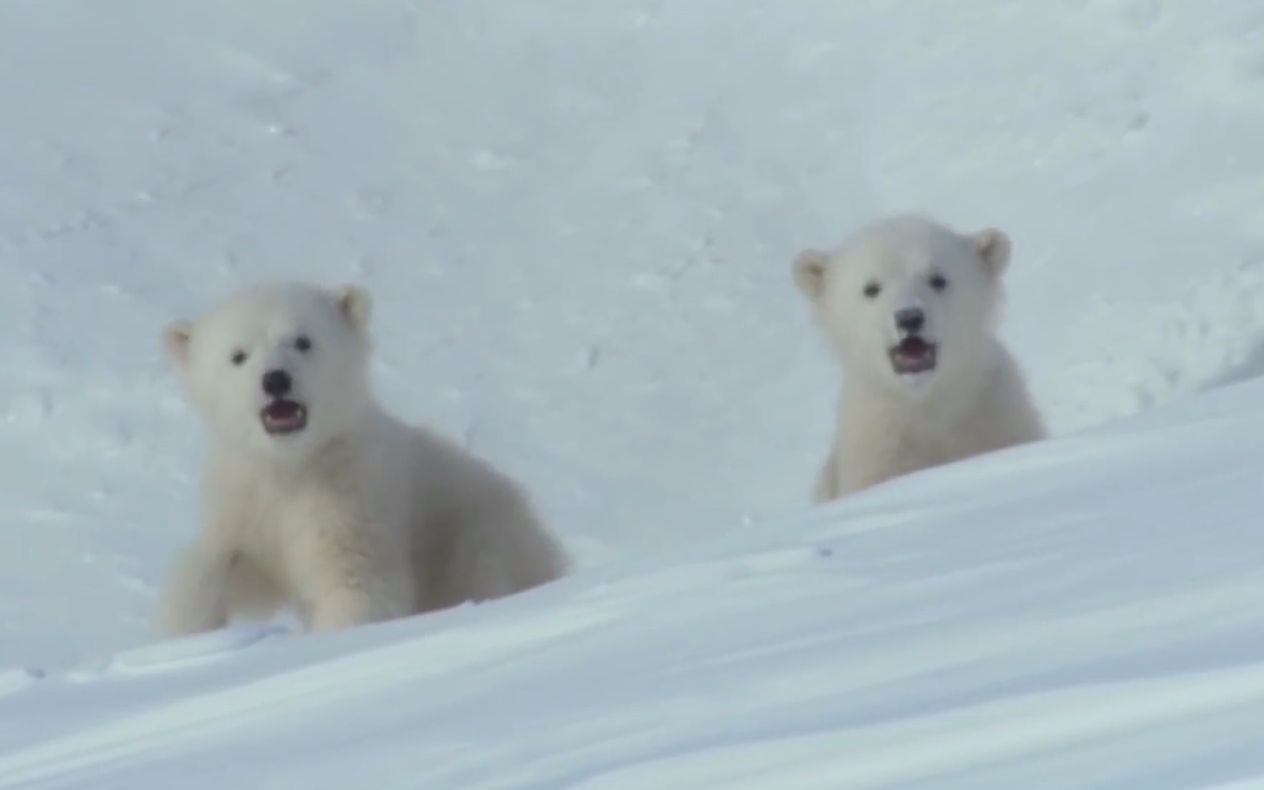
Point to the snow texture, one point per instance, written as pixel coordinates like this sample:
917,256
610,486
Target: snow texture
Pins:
577,220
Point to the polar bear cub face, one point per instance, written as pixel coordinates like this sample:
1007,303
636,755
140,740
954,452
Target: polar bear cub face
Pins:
905,300
279,368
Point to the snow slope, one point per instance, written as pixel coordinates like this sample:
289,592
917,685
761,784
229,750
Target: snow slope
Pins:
578,220
1095,620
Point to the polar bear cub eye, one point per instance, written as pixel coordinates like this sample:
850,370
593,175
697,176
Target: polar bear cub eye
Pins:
872,289
238,357
938,281
303,343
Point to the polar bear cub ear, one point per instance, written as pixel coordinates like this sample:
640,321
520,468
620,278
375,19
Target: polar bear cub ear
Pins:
993,246
809,273
355,304
175,338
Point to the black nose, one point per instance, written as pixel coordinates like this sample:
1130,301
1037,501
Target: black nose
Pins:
910,320
277,383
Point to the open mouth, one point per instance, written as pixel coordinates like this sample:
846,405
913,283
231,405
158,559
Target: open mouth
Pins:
913,355
283,416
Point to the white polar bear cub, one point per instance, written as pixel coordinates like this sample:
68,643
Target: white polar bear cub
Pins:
909,307
315,497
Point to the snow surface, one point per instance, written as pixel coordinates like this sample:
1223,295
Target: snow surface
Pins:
577,219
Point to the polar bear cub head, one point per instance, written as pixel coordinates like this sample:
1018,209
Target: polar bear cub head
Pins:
279,368
907,302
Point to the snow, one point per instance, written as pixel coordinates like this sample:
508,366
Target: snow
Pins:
577,220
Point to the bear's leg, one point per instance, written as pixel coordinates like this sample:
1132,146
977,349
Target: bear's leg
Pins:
250,592
194,597
498,547
827,487
339,584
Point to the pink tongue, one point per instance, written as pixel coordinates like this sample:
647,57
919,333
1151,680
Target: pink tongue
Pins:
282,411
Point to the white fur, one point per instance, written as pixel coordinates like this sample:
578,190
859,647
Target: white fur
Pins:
357,518
974,401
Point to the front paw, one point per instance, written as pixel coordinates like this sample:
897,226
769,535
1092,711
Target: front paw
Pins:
186,617
347,608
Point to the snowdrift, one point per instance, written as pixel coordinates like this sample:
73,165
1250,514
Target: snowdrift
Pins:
1082,612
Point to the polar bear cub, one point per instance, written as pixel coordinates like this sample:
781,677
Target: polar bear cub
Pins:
909,307
315,497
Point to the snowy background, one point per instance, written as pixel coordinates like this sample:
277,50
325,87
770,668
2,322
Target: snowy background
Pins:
577,219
